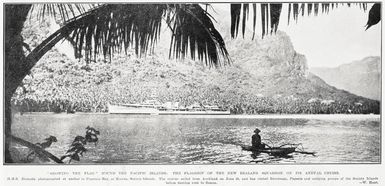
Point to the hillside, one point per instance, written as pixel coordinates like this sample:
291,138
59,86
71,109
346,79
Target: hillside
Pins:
362,77
266,76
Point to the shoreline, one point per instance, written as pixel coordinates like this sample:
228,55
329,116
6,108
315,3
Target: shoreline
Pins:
260,116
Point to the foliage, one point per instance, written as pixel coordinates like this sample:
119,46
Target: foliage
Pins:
273,11
68,87
76,149
99,26
77,146
259,81
135,80
110,28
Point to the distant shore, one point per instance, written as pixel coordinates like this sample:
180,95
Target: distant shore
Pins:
241,116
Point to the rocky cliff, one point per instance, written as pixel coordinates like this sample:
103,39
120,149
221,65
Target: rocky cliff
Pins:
265,76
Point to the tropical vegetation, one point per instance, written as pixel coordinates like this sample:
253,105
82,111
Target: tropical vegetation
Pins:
109,28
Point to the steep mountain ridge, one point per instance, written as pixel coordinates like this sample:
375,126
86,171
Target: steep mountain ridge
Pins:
266,76
361,77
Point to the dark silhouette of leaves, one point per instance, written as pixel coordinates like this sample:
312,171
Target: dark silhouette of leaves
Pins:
275,13
374,15
77,146
309,8
254,18
263,17
111,28
192,27
273,10
245,17
79,139
235,17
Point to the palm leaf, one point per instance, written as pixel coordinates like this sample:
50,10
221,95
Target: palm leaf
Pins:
111,28
63,11
275,10
245,17
235,17
294,9
316,8
194,30
254,18
288,16
263,17
374,15
309,8
303,9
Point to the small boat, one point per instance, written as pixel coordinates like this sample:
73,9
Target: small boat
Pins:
274,151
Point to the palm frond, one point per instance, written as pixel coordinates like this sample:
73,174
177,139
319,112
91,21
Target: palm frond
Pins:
295,11
274,16
245,17
303,9
263,17
374,15
113,28
194,30
273,11
309,8
235,17
316,9
254,19
63,11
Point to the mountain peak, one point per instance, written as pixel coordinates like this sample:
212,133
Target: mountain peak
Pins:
272,56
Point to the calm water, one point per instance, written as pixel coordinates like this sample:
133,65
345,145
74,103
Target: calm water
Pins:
205,139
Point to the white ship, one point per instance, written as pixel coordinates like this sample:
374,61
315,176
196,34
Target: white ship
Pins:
153,107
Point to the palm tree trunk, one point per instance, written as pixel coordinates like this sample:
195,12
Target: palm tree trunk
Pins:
14,67
17,65
7,128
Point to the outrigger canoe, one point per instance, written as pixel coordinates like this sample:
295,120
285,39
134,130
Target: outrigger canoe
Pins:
275,151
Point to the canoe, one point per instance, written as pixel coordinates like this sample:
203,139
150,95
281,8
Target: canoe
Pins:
275,151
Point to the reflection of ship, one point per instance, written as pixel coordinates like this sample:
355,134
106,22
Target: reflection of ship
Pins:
153,107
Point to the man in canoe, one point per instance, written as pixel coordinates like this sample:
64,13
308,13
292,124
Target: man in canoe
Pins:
256,141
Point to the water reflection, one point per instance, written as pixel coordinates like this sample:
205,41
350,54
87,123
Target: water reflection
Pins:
178,139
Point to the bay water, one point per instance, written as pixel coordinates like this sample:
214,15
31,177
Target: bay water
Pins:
137,139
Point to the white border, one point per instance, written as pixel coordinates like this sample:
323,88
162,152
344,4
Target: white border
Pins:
350,170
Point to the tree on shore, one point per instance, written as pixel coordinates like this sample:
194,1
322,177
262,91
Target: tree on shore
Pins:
104,29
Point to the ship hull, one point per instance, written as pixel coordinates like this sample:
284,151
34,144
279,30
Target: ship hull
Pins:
117,109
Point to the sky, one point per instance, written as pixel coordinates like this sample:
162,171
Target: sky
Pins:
329,40
334,39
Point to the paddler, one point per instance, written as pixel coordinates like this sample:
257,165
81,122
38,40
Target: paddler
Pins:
256,141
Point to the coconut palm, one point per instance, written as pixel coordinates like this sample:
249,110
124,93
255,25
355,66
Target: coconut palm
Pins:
103,29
